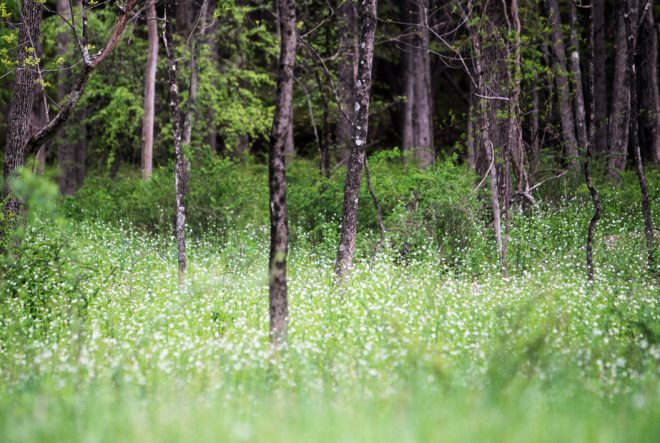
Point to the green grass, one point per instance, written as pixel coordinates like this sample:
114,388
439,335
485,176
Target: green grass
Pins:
97,343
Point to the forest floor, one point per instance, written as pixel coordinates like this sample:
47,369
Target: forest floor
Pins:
97,343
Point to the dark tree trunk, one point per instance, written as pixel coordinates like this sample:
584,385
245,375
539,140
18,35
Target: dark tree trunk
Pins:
149,91
591,143
620,113
630,19
18,121
66,151
279,225
347,28
561,70
179,174
648,79
367,12
600,142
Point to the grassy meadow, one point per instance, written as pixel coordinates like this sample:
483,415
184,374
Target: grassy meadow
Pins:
98,343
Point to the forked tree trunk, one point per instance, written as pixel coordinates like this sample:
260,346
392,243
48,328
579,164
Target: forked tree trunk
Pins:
179,166
565,109
367,12
18,121
149,92
630,19
279,225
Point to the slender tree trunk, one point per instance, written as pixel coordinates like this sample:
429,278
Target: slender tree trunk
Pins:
422,105
648,79
600,142
578,94
347,27
279,225
472,136
565,109
149,91
591,143
179,180
620,113
65,147
630,19
408,132
367,12
18,121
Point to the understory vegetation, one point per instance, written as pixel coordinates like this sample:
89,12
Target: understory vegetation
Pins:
425,342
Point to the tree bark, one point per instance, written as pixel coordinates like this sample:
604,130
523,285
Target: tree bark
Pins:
630,19
347,27
279,225
346,251
561,71
578,94
648,79
591,143
422,103
179,173
18,121
149,92
408,132
620,113
600,142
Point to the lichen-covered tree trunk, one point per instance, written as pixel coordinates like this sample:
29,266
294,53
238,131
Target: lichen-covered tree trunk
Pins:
179,165
346,251
279,224
561,78
619,126
630,21
149,91
347,27
18,120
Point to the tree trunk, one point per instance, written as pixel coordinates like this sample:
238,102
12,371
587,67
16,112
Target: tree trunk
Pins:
279,225
600,142
591,143
422,103
179,174
347,28
620,112
565,109
149,91
648,79
367,12
630,19
408,133
18,121
578,94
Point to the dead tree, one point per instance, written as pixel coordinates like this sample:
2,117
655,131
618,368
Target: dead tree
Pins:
367,16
